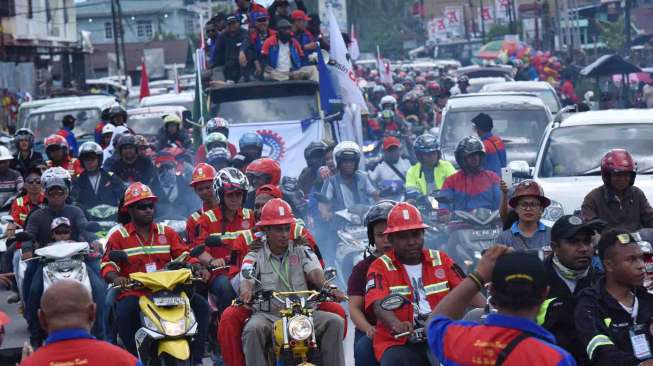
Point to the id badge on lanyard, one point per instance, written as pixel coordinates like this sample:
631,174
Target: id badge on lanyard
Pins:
641,346
150,267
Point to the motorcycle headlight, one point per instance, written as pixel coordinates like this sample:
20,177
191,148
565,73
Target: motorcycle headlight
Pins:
300,328
175,328
553,212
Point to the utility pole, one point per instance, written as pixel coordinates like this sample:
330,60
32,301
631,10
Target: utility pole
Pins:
627,30
115,35
122,40
482,22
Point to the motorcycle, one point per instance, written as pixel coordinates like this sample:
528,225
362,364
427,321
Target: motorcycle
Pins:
168,321
418,334
294,338
471,233
353,244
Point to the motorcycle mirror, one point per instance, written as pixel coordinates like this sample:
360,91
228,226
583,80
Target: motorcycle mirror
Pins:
248,273
213,241
197,251
393,302
118,256
24,236
93,226
6,219
330,274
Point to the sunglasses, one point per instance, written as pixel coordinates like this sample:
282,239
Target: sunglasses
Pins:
144,206
529,205
629,238
61,232
56,193
33,181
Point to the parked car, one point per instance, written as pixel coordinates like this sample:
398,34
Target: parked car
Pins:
477,71
477,84
519,119
568,164
25,108
542,89
171,99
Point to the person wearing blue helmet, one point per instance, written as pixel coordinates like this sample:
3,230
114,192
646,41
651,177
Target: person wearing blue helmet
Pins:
431,171
251,146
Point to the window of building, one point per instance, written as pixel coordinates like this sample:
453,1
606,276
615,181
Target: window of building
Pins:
108,30
144,28
189,24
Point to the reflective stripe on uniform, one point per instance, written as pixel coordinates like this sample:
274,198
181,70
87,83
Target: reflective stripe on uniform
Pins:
113,264
596,342
19,201
161,229
388,263
541,314
22,216
123,231
436,288
435,257
300,222
298,231
195,215
607,322
230,235
249,238
401,290
211,216
153,249
246,213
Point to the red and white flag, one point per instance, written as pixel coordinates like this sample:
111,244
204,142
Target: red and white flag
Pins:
385,73
354,51
145,83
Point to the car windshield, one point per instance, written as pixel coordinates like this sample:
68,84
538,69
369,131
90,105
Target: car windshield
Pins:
45,124
513,126
145,124
548,98
186,103
575,151
290,108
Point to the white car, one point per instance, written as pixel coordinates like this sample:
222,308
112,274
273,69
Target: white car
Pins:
568,164
184,99
542,89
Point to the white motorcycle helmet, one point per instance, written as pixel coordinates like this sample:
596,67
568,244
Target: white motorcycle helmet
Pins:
388,99
5,154
56,177
347,150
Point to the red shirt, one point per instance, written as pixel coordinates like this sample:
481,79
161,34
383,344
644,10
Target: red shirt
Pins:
387,275
192,225
162,246
77,347
72,165
22,206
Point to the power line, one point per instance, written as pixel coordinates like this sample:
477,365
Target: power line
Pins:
77,6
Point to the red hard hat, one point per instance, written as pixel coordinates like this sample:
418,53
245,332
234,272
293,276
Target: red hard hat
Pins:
433,85
276,212
529,188
404,217
266,166
138,192
269,189
617,161
202,173
55,140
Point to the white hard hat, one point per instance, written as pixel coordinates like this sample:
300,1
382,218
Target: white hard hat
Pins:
5,154
108,128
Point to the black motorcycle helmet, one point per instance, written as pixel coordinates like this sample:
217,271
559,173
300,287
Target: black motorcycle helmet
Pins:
313,147
426,143
376,213
467,146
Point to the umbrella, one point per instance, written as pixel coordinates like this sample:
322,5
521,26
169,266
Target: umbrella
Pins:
608,65
492,50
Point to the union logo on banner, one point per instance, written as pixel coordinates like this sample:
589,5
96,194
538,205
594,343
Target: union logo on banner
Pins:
274,146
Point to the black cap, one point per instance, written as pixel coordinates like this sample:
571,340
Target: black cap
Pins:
569,225
283,23
69,118
232,18
518,268
483,122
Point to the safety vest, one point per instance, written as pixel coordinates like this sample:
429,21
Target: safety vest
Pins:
247,214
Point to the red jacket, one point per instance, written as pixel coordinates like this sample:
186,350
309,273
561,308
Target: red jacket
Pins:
22,206
159,249
72,165
388,276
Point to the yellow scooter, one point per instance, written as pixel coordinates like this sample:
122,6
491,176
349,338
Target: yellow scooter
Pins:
168,322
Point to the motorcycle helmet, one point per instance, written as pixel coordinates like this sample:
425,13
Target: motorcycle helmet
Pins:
315,147
137,192
410,97
126,139
215,139
376,213
106,114
229,180
618,161
250,139
388,99
24,134
265,167
55,141
398,88
56,177
217,124
172,118
202,173
426,143
528,188
90,148
378,89
276,212
347,150
117,110
218,156
467,146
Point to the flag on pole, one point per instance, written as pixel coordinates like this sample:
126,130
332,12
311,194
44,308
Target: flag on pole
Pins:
177,86
345,77
354,51
328,94
200,111
145,84
385,74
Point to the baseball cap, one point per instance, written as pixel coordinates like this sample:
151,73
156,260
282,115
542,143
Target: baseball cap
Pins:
283,23
232,18
58,221
569,225
391,141
269,189
299,15
518,268
483,121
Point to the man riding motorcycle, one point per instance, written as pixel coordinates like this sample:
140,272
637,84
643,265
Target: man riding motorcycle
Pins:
218,158
176,199
216,124
150,246
302,268
25,156
422,276
116,115
472,186
618,201
389,176
172,133
130,167
314,154
260,172
202,184
57,151
430,172
95,186
250,146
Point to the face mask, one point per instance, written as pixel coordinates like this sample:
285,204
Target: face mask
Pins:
284,37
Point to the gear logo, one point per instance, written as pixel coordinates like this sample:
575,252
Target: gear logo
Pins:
274,147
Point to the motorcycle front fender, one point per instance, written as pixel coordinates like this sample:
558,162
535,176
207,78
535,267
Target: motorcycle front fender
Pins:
177,348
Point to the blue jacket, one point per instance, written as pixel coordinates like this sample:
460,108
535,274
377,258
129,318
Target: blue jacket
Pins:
495,153
471,192
271,50
304,38
457,343
70,138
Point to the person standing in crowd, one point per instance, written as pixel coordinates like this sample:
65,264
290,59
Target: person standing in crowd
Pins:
25,156
67,314
569,270
618,201
302,35
283,58
510,336
66,131
389,176
495,150
280,9
528,232
230,50
613,317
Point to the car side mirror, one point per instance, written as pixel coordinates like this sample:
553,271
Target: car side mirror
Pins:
118,256
520,169
393,302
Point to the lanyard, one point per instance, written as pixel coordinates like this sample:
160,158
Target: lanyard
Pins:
284,276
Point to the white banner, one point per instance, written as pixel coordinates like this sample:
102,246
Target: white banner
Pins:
501,10
339,8
282,141
437,29
454,19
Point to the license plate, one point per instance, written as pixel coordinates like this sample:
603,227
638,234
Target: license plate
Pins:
485,234
168,301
